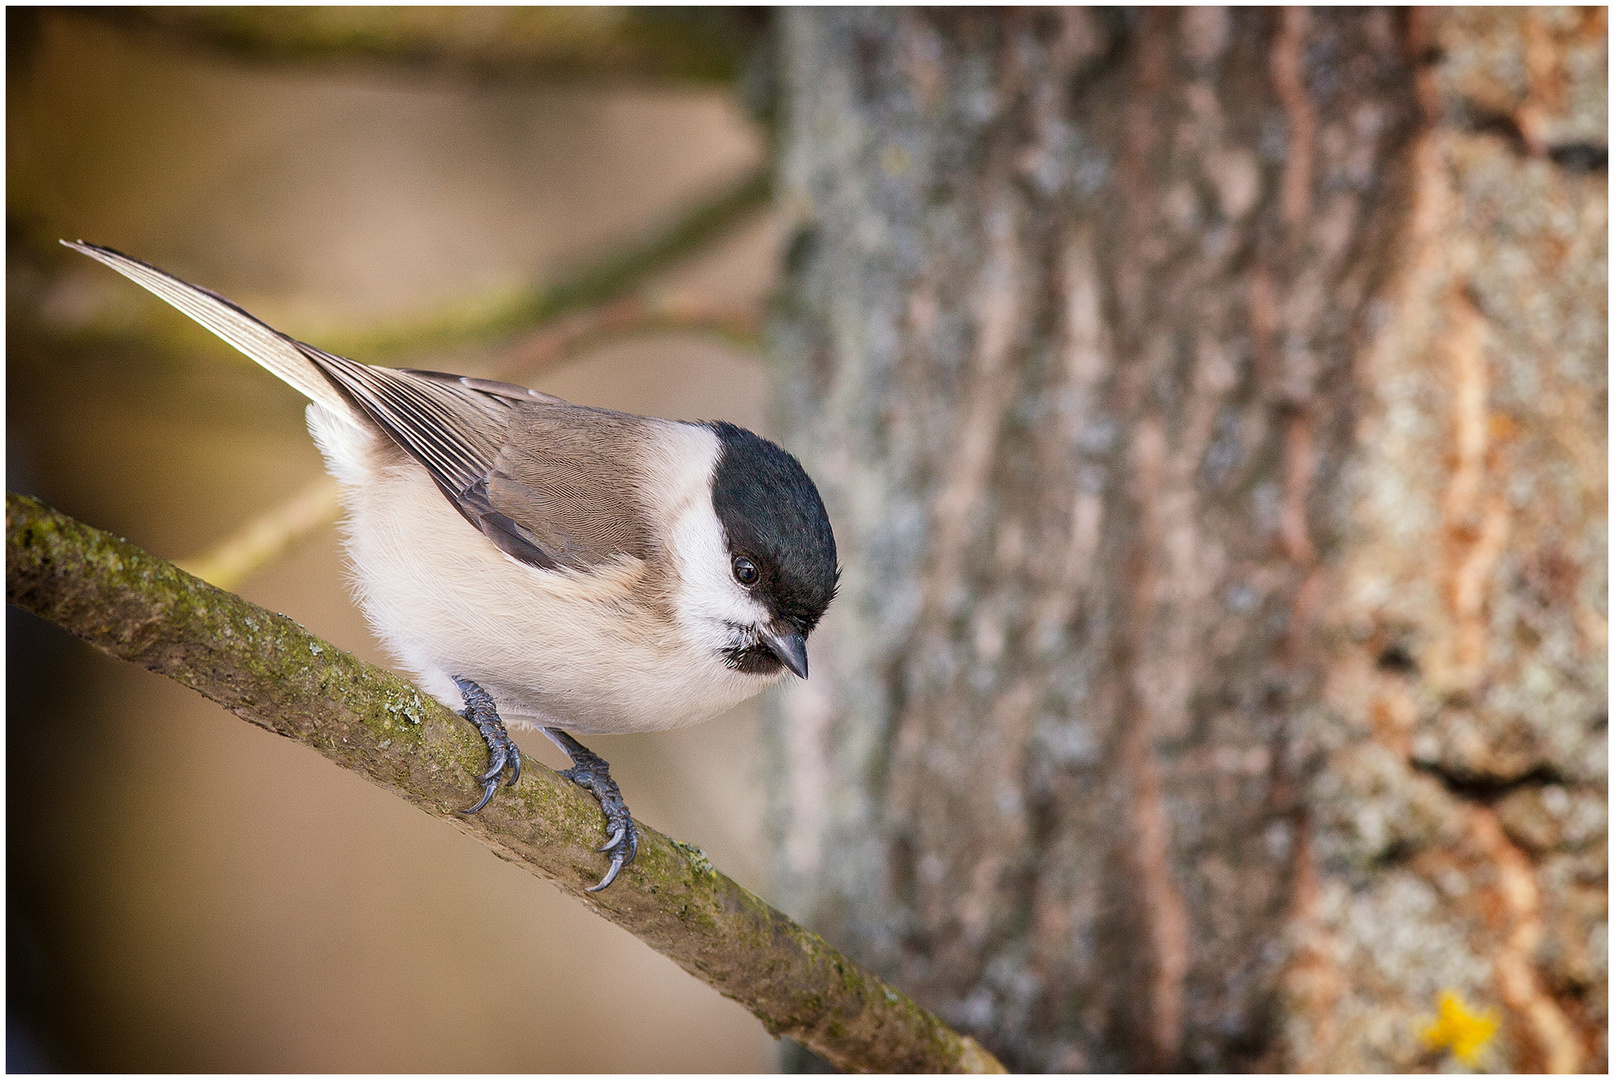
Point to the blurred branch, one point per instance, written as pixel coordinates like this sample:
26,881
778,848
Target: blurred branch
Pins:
267,537
276,531
612,275
626,317
492,44
270,671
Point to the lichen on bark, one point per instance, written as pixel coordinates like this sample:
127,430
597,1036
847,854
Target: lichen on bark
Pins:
269,670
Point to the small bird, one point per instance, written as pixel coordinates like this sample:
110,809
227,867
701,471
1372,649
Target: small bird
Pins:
551,565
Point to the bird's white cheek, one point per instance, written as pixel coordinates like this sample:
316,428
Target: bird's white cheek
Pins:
711,604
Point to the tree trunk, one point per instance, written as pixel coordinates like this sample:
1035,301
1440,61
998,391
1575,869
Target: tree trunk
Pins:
1211,408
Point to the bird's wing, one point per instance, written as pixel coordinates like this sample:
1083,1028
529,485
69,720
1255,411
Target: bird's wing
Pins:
545,480
573,479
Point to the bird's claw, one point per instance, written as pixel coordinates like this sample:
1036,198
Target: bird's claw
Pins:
503,753
610,875
590,771
487,794
626,842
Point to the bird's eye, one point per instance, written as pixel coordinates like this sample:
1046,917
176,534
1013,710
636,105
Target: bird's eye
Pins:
745,571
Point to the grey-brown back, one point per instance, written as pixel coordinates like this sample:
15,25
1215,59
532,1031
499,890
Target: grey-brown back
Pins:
573,478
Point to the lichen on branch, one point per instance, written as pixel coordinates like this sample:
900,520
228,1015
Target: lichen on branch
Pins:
272,672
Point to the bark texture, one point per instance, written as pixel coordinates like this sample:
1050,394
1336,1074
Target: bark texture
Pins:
271,672
1211,407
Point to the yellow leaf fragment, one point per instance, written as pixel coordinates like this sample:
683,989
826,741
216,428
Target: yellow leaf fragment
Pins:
1460,1029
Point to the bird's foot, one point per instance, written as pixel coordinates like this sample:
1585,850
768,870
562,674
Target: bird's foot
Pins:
590,771
502,750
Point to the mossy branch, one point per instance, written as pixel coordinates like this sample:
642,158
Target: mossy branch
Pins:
270,671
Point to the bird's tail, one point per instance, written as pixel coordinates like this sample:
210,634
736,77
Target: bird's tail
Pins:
263,343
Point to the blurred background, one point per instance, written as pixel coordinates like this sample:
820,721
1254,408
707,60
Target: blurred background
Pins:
185,891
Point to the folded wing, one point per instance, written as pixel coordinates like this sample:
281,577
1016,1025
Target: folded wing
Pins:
519,465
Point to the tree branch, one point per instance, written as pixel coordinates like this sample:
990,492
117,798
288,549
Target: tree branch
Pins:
267,669
268,536
499,45
602,279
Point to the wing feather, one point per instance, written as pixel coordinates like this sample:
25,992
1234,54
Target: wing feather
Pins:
454,431
550,483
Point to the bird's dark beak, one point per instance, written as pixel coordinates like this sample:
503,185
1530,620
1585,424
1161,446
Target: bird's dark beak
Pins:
790,648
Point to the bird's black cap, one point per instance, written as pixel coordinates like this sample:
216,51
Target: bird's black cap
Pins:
773,515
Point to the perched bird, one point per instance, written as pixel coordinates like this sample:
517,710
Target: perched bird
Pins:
551,565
